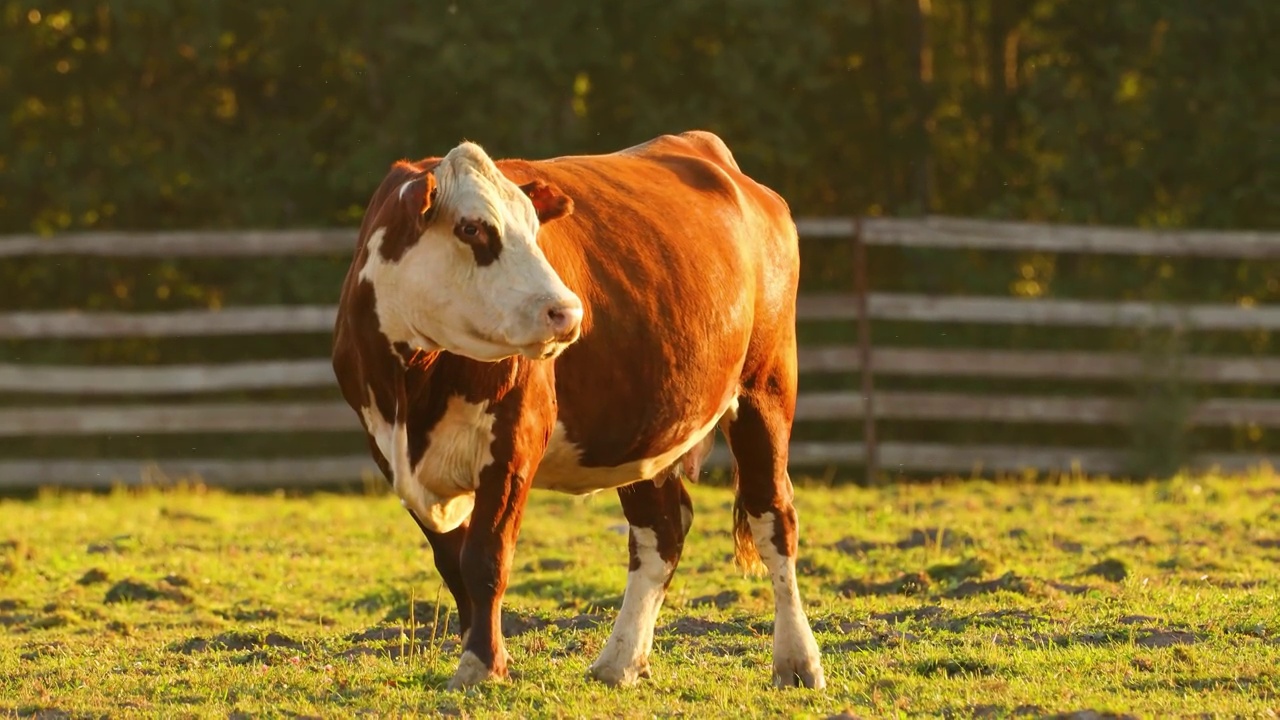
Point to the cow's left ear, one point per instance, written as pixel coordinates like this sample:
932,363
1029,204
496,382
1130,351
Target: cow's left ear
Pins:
548,200
418,194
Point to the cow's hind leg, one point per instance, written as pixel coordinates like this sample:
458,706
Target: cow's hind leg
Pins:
660,516
765,520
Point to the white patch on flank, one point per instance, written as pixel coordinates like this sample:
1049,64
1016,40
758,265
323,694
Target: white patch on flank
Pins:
377,426
795,652
561,467
625,657
440,489
436,296
471,671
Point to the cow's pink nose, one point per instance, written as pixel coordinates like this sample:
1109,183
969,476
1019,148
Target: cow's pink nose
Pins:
564,320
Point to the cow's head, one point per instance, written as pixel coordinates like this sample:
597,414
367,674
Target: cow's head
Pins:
457,267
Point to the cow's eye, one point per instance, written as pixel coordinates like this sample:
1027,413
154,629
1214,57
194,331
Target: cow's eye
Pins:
470,230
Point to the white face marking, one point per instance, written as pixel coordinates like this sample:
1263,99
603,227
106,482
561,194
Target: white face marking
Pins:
437,296
440,489
625,657
561,467
795,652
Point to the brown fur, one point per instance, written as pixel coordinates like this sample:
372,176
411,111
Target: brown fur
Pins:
687,270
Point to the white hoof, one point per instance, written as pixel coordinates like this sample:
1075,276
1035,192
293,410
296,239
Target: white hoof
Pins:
616,673
798,667
471,671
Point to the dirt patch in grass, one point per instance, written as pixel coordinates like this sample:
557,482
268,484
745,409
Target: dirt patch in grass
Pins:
92,576
1070,588
1009,582
720,600
130,590
1003,619
1167,638
117,544
236,642
185,516
935,537
957,572
906,584
855,546
1068,546
1000,711
245,613
875,641
952,667
699,627
549,564
582,621
1110,569
927,612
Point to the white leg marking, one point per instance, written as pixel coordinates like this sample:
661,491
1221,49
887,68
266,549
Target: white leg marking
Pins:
795,652
471,671
625,657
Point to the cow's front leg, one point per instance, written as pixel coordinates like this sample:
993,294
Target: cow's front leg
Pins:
447,549
489,547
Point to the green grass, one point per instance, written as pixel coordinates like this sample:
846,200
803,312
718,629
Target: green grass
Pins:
963,599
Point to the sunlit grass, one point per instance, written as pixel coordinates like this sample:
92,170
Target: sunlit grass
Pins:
976,598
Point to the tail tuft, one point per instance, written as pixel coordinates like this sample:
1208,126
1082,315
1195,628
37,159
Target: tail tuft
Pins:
745,554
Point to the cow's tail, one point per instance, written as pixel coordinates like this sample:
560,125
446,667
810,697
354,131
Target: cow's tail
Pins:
745,554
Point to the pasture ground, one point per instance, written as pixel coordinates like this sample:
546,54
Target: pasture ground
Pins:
974,599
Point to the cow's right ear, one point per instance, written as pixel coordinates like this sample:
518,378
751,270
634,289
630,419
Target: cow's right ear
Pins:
418,194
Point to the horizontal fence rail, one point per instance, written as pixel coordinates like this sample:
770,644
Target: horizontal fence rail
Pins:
931,232
880,306
1039,311
166,380
903,457
906,362
178,323
328,416
162,414
184,244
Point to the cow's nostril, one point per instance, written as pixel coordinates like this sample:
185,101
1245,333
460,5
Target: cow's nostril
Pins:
564,319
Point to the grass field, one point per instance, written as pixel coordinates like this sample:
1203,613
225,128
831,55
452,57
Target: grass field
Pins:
960,600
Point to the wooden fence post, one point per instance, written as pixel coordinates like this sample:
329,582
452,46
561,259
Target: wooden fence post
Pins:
864,355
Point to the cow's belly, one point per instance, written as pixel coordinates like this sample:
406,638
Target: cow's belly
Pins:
440,487
561,468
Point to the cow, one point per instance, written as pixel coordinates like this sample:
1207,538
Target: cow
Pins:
579,324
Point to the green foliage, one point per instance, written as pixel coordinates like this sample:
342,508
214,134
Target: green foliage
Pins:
193,114
1157,600
196,114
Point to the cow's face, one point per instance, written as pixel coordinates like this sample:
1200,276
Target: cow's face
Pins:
464,272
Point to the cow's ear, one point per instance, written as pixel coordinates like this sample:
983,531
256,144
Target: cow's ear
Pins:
548,200
417,195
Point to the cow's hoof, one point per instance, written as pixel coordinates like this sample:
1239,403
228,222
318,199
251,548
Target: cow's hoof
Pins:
798,672
472,671
619,674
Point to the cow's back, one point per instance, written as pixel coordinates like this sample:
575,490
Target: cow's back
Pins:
687,269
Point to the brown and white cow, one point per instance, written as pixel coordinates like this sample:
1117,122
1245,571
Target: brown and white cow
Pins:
579,324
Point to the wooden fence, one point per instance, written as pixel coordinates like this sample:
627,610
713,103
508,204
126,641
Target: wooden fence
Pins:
99,418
